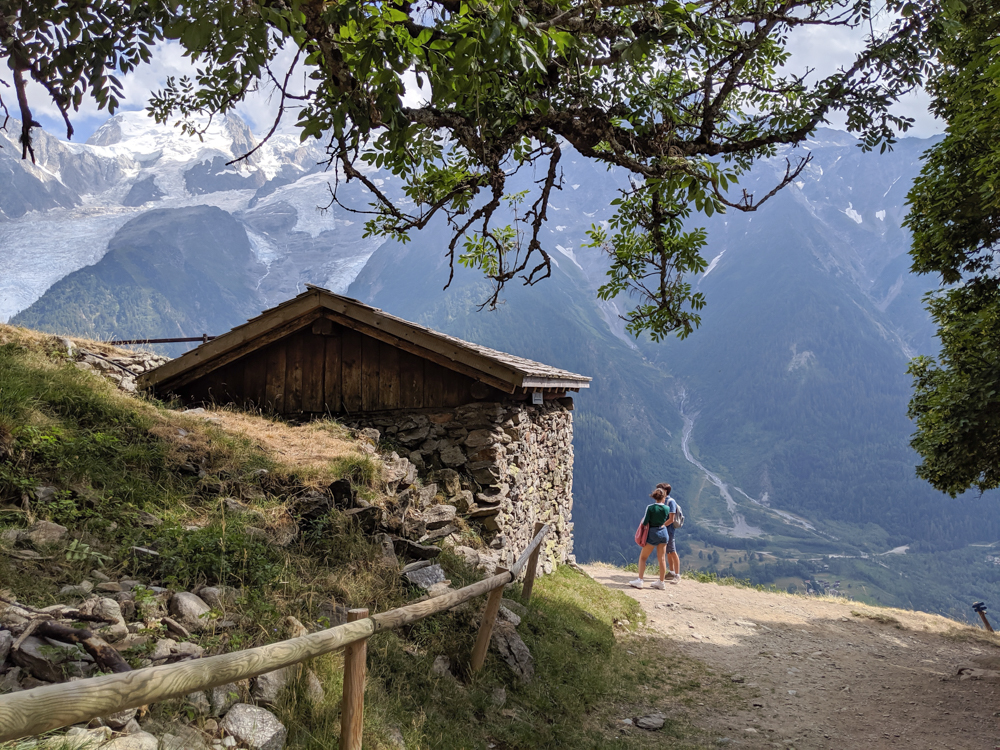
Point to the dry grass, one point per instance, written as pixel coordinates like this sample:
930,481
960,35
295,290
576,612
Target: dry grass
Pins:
313,450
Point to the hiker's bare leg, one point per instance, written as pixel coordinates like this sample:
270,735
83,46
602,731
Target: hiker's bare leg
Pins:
661,554
642,559
675,563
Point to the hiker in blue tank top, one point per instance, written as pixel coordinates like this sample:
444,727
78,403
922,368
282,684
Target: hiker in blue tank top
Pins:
658,517
673,559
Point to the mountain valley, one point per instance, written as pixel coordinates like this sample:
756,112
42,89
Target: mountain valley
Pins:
781,422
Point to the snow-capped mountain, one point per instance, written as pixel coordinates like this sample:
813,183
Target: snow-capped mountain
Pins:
59,215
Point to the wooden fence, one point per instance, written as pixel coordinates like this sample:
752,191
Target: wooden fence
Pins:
32,712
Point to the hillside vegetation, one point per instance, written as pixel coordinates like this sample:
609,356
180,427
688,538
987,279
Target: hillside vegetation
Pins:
218,496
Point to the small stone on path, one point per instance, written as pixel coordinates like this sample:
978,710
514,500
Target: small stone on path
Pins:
651,722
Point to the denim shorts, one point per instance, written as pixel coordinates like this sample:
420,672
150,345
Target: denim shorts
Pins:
670,541
657,535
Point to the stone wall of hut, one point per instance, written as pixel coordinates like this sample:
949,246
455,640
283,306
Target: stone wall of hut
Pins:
503,466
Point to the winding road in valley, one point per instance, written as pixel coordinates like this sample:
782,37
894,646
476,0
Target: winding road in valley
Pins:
741,529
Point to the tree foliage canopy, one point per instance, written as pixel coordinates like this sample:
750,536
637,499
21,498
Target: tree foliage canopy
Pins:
683,96
955,219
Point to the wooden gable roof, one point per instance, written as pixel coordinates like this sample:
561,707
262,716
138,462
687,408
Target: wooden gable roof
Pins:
500,370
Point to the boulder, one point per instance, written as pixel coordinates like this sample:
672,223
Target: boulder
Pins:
651,722
437,516
449,480
452,456
121,719
224,697
254,727
267,687
468,555
198,703
148,519
369,519
433,536
10,681
388,551
80,590
426,576
314,688
190,610
41,659
412,550
441,666
399,473
464,501
42,533
513,650
218,597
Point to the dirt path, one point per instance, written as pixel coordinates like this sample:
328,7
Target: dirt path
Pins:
815,675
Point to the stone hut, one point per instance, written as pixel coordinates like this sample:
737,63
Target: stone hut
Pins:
492,431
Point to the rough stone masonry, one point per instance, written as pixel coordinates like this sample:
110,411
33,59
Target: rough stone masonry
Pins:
503,465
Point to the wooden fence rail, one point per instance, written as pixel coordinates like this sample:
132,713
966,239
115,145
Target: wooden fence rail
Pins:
32,712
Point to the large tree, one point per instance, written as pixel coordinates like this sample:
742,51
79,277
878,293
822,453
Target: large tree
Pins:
684,96
955,219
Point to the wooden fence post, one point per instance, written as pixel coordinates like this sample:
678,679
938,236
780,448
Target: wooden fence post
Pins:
486,626
352,706
529,574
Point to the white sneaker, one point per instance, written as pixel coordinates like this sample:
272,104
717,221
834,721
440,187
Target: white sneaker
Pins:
657,585
675,579
636,584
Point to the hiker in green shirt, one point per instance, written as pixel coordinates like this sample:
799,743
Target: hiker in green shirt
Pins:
658,515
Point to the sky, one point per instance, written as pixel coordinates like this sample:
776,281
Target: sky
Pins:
820,48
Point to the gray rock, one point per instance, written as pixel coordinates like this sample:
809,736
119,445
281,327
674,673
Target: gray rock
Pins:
255,727
651,722
433,536
82,589
464,501
199,703
121,719
6,639
441,666
449,480
469,556
314,688
133,741
513,650
10,681
41,659
42,533
267,687
148,519
99,576
218,597
425,576
437,516
224,697
190,610
406,548
388,552
110,587
499,696
516,607
452,456
175,627
509,616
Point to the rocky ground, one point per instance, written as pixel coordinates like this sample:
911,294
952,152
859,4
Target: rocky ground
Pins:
820,673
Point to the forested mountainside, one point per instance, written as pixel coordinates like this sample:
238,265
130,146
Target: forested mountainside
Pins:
781,422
